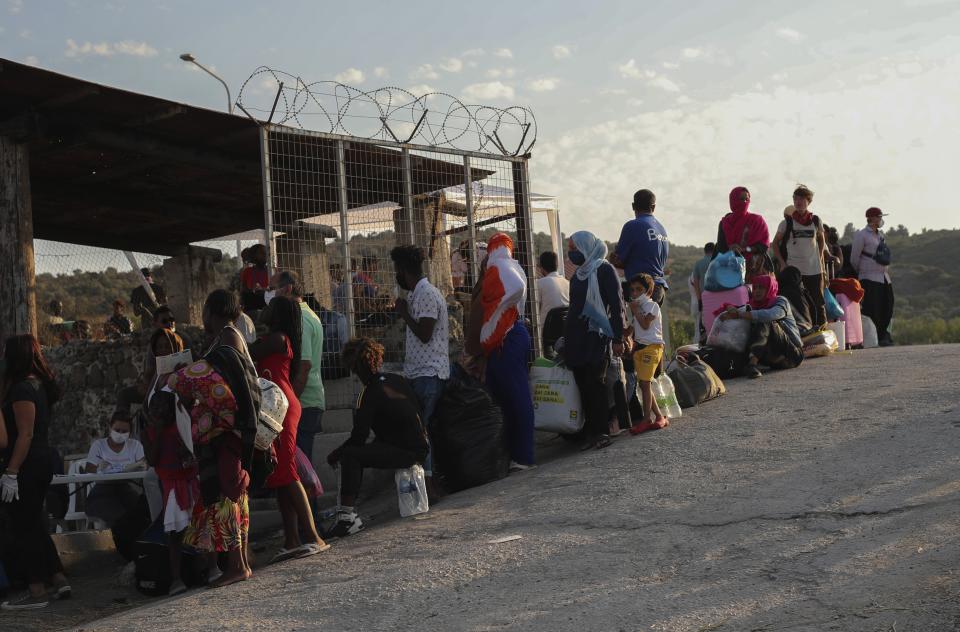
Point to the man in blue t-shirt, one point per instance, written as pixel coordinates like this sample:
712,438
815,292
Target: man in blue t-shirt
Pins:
643,247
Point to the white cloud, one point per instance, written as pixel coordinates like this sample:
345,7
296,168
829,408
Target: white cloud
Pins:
137,49
910,68
790,34
451,65
561,52
380,72
546,84
494,73
506,53
108,49
350,76
424,71
30,60
489,91
630,70
669,65
691,53
664,84
684,100
14,6
855,148
25,33
780,76
474,52
421,89
635,102
614,91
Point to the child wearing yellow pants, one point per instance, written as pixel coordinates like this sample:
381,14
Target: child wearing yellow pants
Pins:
648,333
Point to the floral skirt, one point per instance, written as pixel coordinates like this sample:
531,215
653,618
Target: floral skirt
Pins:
219,527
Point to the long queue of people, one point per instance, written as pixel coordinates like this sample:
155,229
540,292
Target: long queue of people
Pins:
200,421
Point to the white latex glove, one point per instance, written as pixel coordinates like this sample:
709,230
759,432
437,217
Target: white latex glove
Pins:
9,488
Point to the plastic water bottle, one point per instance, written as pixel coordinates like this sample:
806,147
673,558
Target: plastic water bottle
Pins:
670,406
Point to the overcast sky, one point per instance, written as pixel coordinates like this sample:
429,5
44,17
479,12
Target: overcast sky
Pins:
858,100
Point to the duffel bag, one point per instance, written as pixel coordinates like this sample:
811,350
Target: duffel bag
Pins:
695,381
726,364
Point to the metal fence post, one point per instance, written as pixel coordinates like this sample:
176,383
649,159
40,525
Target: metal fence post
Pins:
345,236
267,201
471,229
408,194
524,247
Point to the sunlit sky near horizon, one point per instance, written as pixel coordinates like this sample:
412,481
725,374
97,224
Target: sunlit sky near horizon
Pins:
857,100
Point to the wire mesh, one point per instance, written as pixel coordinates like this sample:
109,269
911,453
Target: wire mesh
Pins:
79,284
337,206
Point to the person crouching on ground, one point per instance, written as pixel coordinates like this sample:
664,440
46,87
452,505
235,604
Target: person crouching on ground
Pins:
648,335
387,406
774,337
177,470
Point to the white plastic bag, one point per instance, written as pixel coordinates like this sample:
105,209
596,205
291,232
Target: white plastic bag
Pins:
870,338
412,491
556,400
732,334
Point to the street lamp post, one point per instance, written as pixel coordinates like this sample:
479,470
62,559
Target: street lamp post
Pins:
187,57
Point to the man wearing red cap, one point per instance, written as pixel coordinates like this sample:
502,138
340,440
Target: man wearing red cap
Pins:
869,256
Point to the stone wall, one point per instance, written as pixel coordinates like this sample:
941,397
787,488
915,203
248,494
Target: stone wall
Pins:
91,374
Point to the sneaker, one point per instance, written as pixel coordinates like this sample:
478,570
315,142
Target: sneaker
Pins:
347,524
26,603
752,371
519,467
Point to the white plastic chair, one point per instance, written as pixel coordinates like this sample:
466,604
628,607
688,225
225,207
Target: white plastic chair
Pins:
73,489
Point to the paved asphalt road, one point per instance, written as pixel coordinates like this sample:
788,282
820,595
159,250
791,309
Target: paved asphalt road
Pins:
824,498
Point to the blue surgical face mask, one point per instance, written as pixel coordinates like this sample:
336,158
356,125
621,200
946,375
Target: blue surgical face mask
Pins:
577,258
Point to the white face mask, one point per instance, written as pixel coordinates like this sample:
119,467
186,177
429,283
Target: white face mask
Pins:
119,437
269,295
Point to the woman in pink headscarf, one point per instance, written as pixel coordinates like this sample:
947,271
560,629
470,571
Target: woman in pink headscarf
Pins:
774,336
745,233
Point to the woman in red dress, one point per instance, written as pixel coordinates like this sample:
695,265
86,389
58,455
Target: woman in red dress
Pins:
278,359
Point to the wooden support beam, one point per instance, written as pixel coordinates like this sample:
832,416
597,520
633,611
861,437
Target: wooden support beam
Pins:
18,299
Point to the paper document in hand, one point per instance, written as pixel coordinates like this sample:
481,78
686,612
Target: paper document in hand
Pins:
168,363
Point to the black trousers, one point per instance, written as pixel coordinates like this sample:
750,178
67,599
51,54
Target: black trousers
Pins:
771,346
377,454
591,382
36,553
878,305
815,285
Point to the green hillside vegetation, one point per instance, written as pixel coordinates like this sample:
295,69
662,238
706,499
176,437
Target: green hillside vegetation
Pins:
927,310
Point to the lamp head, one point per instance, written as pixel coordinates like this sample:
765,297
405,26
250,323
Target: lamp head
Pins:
187,57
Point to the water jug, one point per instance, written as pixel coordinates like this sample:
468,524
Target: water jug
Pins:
669,406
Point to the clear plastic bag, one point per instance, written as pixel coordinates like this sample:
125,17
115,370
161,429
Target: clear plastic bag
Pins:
732,334
666,397
412,491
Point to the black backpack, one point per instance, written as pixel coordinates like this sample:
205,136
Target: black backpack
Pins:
789,233
152,563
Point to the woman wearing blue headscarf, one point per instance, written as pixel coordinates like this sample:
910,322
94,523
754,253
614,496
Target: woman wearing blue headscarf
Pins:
595,323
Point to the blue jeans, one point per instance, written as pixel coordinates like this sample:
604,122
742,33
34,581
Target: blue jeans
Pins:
311,424
508,381
429,390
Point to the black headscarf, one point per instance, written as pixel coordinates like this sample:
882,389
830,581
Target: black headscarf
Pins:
792,287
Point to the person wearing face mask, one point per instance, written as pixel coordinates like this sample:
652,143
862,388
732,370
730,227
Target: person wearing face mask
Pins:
745,233
117,452
868,247
594,330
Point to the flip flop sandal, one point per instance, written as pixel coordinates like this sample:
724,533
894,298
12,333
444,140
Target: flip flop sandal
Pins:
306,550
602,442
63,591
285,554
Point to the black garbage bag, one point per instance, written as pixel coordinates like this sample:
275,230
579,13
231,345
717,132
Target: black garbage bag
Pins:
152,563
468,435
725,363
